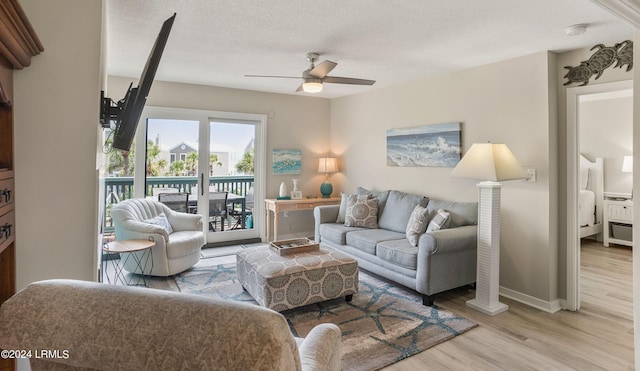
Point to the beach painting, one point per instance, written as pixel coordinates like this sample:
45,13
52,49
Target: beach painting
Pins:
287,161
430,145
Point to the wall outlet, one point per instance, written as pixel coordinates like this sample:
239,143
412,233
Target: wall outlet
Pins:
532,175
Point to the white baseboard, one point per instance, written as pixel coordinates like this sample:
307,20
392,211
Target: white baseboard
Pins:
547,306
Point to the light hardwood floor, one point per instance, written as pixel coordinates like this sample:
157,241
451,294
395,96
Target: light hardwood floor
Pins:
597,337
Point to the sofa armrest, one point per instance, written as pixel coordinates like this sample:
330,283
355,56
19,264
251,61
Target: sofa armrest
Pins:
324,214
321,349
184,221
448,240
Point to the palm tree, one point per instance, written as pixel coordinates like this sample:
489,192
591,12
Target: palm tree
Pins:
176,168
213,161
246,164
192,162
153,151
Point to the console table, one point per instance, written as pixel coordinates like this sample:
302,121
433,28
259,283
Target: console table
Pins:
278,206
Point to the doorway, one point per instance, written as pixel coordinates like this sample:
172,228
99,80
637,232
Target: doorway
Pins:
215,158
574,97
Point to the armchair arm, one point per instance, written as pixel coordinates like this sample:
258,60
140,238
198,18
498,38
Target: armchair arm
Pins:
324,214
135,229
184,221
321,349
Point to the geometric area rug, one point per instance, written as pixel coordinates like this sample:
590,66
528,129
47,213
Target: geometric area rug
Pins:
383,324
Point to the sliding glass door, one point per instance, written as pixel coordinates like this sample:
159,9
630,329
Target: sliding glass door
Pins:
216,158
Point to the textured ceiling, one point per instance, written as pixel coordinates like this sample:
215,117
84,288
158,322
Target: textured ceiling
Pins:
217,42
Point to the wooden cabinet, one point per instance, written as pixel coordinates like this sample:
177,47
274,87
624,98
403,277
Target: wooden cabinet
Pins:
18,43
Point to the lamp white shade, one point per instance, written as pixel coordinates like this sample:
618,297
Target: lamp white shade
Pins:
627,164
327,165
489,161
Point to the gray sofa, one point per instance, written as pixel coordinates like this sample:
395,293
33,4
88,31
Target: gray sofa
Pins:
442,260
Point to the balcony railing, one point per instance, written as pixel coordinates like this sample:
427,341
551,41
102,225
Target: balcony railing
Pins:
121,188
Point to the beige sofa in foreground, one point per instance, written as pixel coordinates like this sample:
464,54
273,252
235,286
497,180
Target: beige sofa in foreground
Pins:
106,327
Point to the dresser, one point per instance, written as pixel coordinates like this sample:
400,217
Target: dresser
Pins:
18,43
618,221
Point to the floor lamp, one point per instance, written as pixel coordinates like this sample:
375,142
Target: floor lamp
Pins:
490,163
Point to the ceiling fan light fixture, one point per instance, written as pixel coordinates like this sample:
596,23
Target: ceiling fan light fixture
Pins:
311,85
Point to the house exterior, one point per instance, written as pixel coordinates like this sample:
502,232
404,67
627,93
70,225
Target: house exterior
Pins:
521,102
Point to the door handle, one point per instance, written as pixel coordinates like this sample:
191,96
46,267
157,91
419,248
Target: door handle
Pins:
202,184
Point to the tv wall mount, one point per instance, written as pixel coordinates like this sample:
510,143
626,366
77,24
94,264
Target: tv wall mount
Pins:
110,111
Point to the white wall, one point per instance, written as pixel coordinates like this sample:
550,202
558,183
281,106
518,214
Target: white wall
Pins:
55,120
508,102
294,122
605,131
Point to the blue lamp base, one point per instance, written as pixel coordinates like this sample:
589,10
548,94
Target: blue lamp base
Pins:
326,189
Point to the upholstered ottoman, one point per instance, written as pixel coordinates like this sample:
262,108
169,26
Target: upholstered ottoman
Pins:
286,282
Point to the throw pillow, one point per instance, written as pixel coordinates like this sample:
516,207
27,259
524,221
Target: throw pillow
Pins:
162,221
362,211
417,224
439,221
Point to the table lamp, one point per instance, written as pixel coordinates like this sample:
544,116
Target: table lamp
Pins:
327,165
490,163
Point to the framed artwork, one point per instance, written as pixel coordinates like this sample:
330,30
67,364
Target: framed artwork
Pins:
296,195
286,161
425,146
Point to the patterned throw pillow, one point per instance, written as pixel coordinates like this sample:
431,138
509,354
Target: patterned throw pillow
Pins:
417,224
162,221
439,221
362,211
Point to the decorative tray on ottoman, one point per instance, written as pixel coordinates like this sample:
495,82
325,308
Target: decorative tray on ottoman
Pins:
298,245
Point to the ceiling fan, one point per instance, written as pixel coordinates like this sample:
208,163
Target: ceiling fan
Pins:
315,76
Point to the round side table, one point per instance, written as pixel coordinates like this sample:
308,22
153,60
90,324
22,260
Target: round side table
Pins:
138,250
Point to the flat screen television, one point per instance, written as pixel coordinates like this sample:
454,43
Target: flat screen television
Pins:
126,113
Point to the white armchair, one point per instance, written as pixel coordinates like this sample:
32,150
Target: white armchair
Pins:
175,250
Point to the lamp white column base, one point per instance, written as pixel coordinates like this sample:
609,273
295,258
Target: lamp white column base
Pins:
488,265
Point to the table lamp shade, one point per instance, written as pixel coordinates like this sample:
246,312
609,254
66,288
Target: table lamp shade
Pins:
627,164
489,162
327,165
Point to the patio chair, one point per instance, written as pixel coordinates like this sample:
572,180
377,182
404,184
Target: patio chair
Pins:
175,201
248,211
217,209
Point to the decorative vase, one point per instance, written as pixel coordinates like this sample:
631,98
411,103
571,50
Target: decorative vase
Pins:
295,185
283,190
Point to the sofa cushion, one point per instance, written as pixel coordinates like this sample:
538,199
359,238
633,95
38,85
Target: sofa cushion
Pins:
462,213
381,196
362,211
335,232
162,221
367,239
398,209
417,224
398,252
439,221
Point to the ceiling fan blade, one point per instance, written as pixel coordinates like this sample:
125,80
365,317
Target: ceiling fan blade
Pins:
322,69
278,77
299,88
347,80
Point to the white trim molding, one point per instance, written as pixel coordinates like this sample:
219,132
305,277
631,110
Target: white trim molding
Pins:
547,306
627,10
